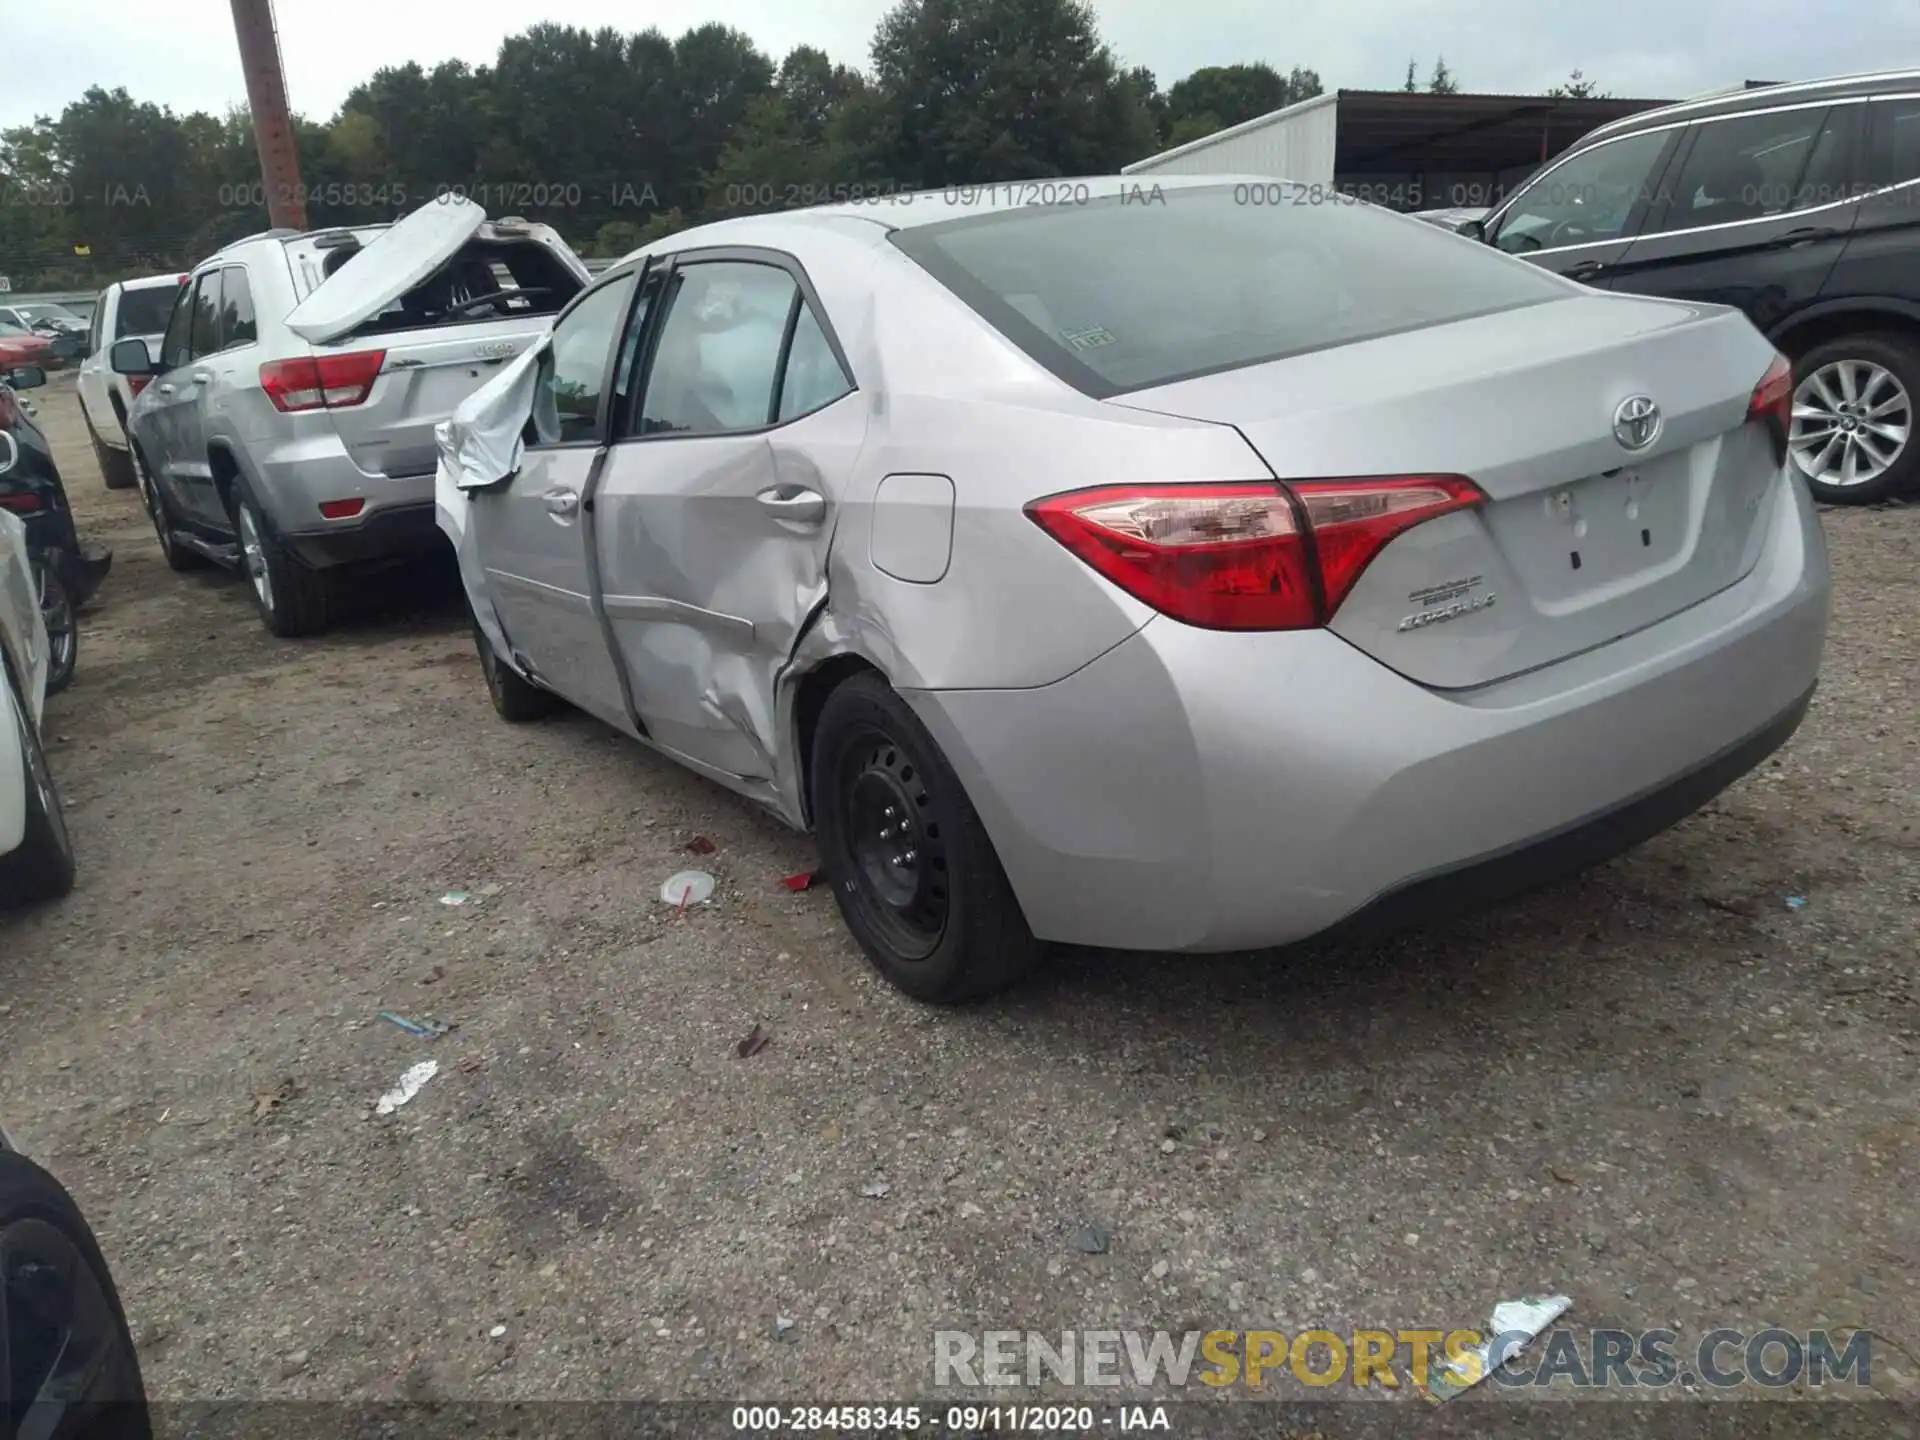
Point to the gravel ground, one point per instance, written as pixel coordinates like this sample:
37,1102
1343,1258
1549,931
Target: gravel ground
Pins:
1660,1088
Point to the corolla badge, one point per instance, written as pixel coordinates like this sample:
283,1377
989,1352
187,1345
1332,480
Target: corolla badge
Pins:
1447,601
496,350
1636,421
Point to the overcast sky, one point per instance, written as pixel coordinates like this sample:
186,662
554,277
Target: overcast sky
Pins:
183,54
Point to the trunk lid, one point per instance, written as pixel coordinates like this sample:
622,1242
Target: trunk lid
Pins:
1582,540
392,263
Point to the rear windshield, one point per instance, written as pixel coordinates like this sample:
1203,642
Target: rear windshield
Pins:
1116,296
144,312
487,280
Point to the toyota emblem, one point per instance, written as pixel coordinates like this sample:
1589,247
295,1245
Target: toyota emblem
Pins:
1636,422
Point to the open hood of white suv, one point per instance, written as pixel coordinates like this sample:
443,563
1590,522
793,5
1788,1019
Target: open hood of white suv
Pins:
402,256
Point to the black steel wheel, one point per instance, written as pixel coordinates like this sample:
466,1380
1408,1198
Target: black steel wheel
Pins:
911,865
894,841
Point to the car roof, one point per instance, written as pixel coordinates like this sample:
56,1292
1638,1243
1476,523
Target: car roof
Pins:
152,282
1759,97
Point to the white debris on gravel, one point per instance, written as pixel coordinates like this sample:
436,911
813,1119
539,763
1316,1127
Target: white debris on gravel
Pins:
1513,1325
409,1086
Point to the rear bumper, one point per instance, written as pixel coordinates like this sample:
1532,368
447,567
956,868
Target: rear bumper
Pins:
1586,843
390,532
306,467
1199,790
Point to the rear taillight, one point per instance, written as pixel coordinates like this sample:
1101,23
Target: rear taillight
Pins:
1772,403
322,382
1246,556
21,504
137,383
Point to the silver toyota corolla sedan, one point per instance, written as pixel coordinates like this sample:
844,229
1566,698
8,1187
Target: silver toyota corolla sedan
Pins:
1185,568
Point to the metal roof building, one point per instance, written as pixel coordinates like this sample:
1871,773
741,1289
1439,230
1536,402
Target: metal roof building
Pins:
1410,150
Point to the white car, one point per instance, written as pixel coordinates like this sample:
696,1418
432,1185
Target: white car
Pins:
126,310
36,853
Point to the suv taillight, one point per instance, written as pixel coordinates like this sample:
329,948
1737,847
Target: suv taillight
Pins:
1772,403
322,382
1246,556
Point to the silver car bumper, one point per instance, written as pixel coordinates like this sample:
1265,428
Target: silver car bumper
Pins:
1202,790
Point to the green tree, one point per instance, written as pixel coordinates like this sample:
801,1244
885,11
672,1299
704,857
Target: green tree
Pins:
1412,87
1577,87
996,90
718,74
814,87
412,131
668,222
1442,81
1147,89
1228,93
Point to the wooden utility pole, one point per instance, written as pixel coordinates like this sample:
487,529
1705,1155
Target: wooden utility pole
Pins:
272,122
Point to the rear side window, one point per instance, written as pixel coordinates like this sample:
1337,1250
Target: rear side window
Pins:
144,312
1894,154
1115,297
237,323
813,376
1746,168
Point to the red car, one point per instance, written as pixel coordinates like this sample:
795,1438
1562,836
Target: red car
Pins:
22,347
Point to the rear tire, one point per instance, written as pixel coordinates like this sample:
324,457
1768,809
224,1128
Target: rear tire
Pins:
912,868
1838,388
515,699
43,866
293,598
178,557
43,1235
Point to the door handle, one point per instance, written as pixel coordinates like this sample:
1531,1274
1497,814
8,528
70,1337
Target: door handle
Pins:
797,506
562,502
1794,239
1585,270
165,387
203,377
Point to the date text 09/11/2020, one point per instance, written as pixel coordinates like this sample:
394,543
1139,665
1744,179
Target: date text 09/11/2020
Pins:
957,1419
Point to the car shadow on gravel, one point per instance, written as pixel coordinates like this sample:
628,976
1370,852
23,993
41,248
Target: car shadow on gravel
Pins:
421,596
1636,941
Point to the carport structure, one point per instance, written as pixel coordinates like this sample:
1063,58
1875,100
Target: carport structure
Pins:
1408,150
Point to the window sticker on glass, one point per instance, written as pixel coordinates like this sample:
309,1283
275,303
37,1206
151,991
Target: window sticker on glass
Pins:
1091,338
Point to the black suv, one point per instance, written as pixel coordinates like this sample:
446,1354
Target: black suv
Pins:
1800,204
